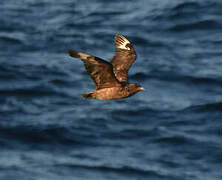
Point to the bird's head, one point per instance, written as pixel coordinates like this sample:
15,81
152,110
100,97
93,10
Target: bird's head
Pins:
134,88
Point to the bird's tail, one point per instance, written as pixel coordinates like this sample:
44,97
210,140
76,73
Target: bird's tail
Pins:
88,95
77,54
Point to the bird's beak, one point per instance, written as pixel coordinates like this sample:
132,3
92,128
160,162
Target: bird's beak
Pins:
142,89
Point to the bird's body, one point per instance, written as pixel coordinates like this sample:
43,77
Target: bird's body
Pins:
123,91
111,79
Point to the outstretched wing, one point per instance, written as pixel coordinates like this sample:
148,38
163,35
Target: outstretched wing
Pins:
123,58
100,71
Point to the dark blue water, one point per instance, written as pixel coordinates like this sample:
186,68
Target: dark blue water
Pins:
172,131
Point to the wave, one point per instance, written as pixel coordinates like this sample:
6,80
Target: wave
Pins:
10,40
132,133
186,5
122,169
38,80
133,112
30,91
200,25
176,76
177,140
45,135
106,13
139,76
206,107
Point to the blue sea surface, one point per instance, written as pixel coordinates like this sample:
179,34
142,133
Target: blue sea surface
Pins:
171,131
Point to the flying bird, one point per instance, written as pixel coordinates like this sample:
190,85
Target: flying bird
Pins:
111,79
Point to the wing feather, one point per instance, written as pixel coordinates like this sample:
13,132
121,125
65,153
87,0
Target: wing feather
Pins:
100,71
123,58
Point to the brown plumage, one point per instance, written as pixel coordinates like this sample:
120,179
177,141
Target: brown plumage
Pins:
111,79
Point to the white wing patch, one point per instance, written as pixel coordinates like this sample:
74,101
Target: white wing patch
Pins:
83,55
121,42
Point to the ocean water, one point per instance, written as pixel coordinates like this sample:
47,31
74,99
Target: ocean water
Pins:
172,131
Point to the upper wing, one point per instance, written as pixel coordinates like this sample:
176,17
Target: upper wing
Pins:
123,58
100,71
